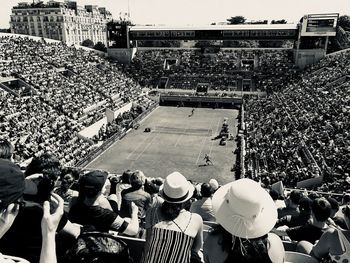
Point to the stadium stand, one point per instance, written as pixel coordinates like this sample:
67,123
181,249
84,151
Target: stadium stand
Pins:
299,131
302,131
70,90
185,69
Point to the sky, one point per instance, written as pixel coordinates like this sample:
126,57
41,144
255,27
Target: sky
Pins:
203,12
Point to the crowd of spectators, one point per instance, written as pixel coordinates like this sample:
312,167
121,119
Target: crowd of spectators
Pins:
70,89
200,222
302,131
222,70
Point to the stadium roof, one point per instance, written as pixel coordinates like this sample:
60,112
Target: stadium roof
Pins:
218,27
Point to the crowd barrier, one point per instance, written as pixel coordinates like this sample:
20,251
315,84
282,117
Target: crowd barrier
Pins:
106,144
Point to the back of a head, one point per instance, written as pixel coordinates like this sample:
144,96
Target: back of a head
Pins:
137,179
46,164
305,204
346,199
274,194
126,177
321,209
295,196
206,190
334,204
6,149
91,184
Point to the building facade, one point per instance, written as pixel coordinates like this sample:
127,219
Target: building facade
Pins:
64,21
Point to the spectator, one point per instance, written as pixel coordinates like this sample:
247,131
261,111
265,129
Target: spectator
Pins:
6,149
214,184
176,231
12,180
297,220
204,206
123,184
276,198
65,191
245,213
312,231
292,203
137,195
334,243
92,208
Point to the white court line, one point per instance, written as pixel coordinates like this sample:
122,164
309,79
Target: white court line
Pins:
200,152
178,139
148,145
212,141
138,146
116,141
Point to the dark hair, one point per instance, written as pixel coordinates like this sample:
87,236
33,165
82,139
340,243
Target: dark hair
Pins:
50,167
240,249
321,209
274,194
334,203
126,177
295,196
305,204
170,211
206,190
346,198
46,164
6,149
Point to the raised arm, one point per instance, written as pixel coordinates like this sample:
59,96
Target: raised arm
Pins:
49,224
129,228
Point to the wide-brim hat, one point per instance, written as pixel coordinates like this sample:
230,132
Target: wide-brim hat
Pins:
176,189
244,209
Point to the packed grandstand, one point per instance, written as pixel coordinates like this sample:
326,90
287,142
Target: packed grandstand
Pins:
50,92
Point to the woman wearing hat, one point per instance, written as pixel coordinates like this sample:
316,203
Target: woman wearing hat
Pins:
245,213
172,233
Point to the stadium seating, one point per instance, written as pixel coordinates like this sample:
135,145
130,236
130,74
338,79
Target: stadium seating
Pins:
70,90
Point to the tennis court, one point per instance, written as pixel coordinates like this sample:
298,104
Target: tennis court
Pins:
177,142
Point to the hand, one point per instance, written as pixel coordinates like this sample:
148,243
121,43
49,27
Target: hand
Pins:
49,222
134,208
7,217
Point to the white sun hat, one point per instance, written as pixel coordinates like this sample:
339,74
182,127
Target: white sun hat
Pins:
244,209
176,189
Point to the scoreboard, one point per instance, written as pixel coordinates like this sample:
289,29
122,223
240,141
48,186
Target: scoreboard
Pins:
319,25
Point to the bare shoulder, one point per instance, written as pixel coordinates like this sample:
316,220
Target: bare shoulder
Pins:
197,219
276,250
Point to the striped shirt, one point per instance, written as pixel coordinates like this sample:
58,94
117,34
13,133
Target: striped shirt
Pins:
169,246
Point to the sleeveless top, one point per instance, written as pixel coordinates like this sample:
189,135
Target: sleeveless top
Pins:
169,246
345,246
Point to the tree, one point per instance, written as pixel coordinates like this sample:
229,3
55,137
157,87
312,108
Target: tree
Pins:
344,22
282,21
100,46
236,20
88,43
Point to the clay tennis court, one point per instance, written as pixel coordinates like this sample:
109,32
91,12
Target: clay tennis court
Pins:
176,142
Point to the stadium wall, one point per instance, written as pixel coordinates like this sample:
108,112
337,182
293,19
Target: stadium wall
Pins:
304,57
200,101
89,132
122,55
